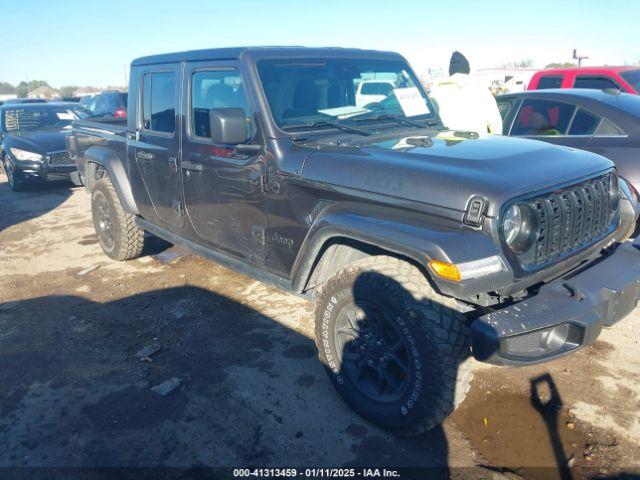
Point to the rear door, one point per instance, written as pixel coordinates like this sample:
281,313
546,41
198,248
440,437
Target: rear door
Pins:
223,194
157,149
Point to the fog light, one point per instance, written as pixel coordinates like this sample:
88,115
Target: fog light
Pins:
543,343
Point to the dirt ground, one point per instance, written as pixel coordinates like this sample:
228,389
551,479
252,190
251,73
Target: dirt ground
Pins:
74,392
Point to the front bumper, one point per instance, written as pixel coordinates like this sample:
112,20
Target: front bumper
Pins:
41,170
565,315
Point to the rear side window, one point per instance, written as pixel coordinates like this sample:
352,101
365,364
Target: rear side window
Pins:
608,129
542,117
215,89
159,102
598,83
584,123
504,108
549,81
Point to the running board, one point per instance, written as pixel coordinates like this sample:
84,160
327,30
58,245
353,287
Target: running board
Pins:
224,260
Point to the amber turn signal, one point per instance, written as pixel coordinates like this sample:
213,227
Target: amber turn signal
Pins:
445,270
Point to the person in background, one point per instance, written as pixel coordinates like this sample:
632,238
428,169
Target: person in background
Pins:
465,102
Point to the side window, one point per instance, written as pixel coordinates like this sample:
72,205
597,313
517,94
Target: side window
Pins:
608,129
598,83
215,89
504,108
91,104
542,117
584,123
159,102
549,81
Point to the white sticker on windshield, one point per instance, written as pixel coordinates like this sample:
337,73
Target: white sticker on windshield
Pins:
411,101
344,112
65,116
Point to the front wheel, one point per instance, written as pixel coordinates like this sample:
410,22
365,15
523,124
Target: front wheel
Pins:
13,178
396,352
119,236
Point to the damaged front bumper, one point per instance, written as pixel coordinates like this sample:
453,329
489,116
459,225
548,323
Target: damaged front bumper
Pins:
565,315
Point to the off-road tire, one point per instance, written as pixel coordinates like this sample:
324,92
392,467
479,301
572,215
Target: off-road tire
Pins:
123,240
439,353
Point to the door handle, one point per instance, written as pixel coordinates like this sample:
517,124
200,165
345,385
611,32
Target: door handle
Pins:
191,166
145,155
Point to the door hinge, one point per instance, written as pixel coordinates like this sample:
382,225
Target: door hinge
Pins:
173,164
269,186
178,207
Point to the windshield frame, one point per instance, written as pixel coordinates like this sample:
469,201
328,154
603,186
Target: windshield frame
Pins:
311,57
35,107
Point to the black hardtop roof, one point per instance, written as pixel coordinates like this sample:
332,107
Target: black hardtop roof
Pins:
235,53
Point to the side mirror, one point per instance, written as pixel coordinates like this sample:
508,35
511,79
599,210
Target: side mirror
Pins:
228,126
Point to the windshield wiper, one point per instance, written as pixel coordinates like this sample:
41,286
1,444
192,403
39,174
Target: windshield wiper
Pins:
327,123
387,116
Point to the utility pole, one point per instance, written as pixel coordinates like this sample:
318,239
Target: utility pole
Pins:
579,56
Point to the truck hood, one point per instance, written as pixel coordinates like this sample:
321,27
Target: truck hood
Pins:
40,141
447,170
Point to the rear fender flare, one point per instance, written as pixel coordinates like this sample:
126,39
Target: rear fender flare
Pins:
111,162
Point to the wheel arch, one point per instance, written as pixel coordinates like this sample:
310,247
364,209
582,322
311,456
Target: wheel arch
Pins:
101,160
339,238
342,250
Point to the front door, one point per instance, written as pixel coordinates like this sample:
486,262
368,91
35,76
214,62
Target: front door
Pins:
157,148
223,194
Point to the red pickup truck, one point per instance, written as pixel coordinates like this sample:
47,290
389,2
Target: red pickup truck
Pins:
625,79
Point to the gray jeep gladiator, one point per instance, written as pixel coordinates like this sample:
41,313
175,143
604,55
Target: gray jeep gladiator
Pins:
421,247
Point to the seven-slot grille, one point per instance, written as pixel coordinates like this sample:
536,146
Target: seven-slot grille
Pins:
60,159
571,218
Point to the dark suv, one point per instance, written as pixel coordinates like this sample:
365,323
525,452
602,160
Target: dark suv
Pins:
420,246
108,104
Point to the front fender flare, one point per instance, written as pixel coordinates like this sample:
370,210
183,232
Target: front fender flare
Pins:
114,165
395,232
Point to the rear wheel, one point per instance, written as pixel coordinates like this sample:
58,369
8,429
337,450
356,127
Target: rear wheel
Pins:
394,349
119,236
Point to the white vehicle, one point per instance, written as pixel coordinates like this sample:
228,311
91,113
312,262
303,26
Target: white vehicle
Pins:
371,91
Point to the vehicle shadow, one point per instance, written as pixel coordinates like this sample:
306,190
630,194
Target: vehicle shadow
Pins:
37,199
76,391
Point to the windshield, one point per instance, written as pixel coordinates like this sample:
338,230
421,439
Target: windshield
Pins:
28,119
632,77
304,92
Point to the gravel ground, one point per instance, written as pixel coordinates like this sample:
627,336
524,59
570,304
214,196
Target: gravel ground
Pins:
246,388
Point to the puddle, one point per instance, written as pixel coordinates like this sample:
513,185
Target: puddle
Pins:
537,438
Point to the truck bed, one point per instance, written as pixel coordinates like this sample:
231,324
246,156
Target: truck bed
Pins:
97,137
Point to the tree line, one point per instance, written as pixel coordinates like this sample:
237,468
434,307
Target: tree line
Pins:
23,88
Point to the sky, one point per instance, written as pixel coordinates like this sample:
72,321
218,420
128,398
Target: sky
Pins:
73,42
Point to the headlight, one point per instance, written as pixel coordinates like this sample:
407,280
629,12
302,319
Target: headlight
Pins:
519,227
25,155
627,189
614,191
